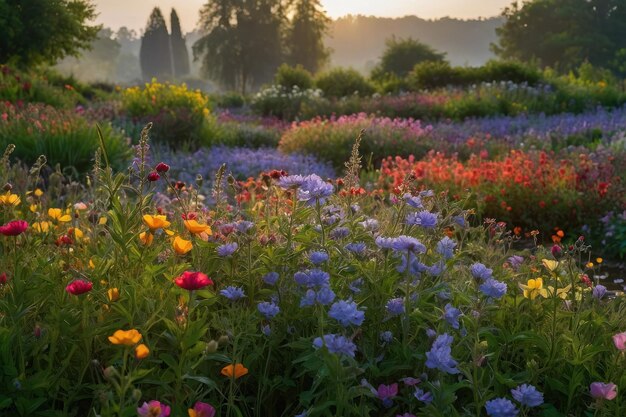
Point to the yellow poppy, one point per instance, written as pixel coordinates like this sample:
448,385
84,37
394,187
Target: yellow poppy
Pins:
125,337
57,214
142,351
156,222
533,288
41,227
196,228
561,292
550,264
113,294
181,246
9,199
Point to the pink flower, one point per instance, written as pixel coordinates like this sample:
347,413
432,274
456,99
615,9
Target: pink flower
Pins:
79,286
192,280
153,408
202,410
600,390
620,340
13,228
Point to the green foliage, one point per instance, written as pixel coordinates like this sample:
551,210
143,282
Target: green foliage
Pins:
305,36
343,82
290,77
401,55
33,32
155,55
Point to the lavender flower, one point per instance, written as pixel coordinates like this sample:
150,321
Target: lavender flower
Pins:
268,309
515,261
493,288
395,306
233,293
356,247
386,336
336,344
527,395
445,247
355,286
270,278
313,189
501,407
318,257
227,249
424,218
413,201
385,393
599,291
421,395
339,233
451,315
480,271
401,244
439,356
346,313
312,278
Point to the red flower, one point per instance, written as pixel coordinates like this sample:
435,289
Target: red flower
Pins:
162,167
13,228
192,280
153,176
3,278
79,286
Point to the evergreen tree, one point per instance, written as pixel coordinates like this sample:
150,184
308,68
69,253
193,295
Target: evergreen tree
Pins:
241,46
305,37
155,55
180,55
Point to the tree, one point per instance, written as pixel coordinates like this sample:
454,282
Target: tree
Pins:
180,55
155,54
401,55
43,31
98,63
241,44
563,33
306,36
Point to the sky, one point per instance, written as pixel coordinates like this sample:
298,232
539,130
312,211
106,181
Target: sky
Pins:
134,13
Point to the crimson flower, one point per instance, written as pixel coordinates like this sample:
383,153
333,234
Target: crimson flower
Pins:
13,228
4,279
153,176
162,167
192,280
79,286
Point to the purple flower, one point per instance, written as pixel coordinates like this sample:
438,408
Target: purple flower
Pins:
600,390
516,261
270,278
233,293
357,247
227,249
413,201
153,408
346,313
266,330
268,309
386,336
325,296
599,291
445,247
369,225
291,181
313,189
355,286
318,257
243,226
527,395
501,407
385,393
339,233
401,244
439,356
395,306
421,395
493,288
410,381
480,271
423,218
336,344
312,278
451,315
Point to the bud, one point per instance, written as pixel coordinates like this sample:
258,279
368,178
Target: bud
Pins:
153,176
199,180
556,251
7,187
212,346
223,340
136,394
179,185
37,331
162,167
3,278
110,372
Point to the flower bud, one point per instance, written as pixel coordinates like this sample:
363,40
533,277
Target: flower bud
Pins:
7,187
153,176
556,251
162,167
223,340
136,394
212,346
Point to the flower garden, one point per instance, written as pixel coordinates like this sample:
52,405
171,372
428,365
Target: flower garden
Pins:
163,255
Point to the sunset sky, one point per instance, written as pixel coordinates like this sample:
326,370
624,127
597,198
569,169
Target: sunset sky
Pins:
134,13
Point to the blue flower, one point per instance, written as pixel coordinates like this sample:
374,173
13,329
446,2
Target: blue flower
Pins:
413,201
501,407
493,288
291,181
356,247
308,299
266,330
440,355
336,344
270,278
401,244
227,249
268,309
318,257
451,315
369,225
325,296
445,247
339,233
346,313
436,269
395,306
460,220
421,395
233,293
527,395
423,218
355,286
599,291
480,271
386,336
313,189
243,226
312,278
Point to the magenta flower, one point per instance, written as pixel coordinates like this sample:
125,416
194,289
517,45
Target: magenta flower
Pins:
13,228
620,341
201,409
153,408
600,390
386,392
79,286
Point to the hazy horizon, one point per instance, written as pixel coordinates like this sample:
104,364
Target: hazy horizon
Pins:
135,15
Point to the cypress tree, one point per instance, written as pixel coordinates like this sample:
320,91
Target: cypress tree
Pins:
180,55
155,54
305,37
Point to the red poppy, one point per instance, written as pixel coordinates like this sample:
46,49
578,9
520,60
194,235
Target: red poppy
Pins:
192,280
79,286
13,228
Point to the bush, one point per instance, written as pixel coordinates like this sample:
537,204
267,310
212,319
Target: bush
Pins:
290,77
65,137
401,55
286,104
431,75
180,116
341,82
230,100
331,139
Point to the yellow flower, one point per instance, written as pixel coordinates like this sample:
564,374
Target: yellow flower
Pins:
38,193
91,264
102,221
33,208
156,222
589,264
9,199
42,227
142,351
550,264
533,288
196,228
146,238
125,337
561,292
599,260
57,214
181,246
113,294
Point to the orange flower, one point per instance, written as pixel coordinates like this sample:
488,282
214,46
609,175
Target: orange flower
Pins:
125,337
234,371
142,351
113,294
181,246
196,228
155,222
146,238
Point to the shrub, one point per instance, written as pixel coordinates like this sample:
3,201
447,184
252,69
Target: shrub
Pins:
283,103
331,139
63,136
290,77
341,82
401,55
